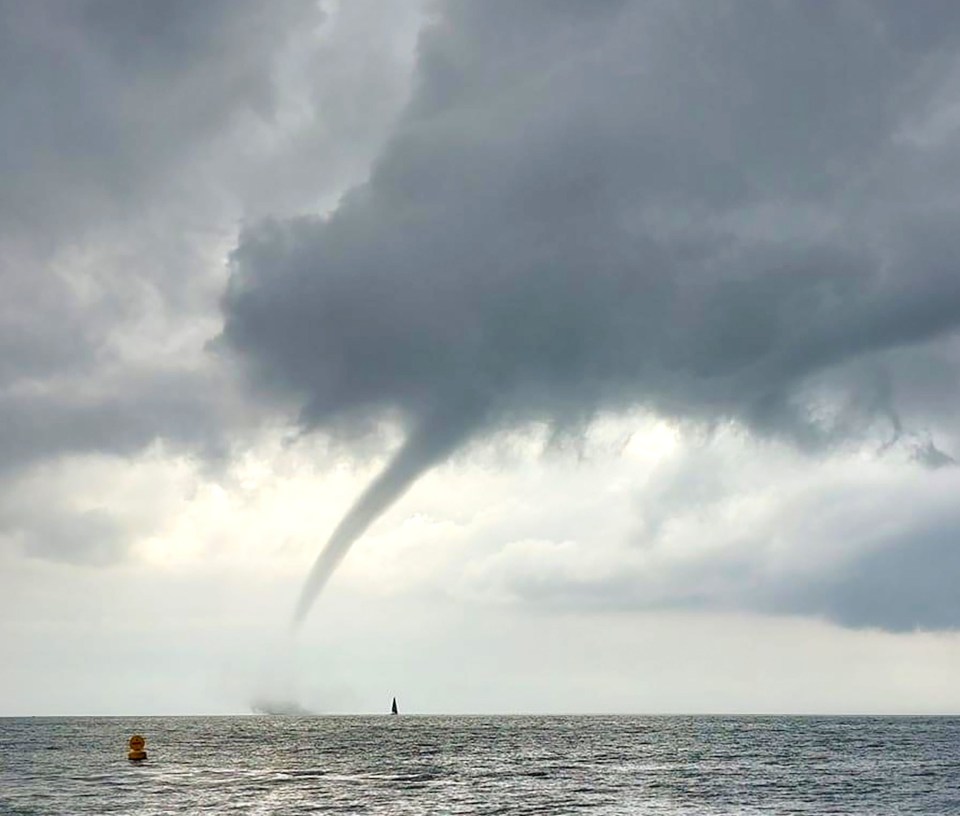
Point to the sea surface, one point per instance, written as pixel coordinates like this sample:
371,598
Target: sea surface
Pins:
489,765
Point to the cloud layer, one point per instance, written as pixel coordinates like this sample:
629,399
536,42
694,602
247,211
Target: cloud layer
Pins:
612,204
736,213
134,139
735,216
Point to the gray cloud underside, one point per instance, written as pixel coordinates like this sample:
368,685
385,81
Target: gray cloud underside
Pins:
105,105
729,212
136,134
730,523
102,99
596,217
906,584
909,583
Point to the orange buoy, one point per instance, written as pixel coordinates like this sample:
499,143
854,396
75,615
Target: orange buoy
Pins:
137,744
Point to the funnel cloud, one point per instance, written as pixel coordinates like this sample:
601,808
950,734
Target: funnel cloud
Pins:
422,449
730,213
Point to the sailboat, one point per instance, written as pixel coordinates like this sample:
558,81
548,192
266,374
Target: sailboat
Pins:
393,708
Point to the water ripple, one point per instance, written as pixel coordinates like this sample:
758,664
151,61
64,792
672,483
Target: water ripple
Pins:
707,766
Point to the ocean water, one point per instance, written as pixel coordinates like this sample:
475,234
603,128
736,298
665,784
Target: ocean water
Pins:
489,765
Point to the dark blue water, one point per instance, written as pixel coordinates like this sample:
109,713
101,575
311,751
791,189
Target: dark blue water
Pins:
502,765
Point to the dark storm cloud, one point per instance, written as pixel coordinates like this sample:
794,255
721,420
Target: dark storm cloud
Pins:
725,212
575,212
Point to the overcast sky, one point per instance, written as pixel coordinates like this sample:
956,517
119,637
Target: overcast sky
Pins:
605,353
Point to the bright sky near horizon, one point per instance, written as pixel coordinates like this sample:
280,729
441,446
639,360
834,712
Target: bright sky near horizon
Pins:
653,307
